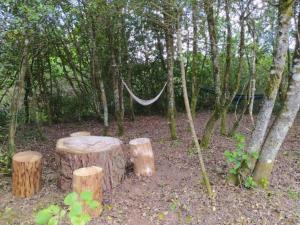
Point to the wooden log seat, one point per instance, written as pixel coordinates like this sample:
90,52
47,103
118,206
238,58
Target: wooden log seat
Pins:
89,179
142,157
27,171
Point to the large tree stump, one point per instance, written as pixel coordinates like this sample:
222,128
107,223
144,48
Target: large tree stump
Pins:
80,133
142,156
89,179
27,171
83,151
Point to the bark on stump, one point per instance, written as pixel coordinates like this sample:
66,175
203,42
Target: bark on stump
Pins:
27,171
84,151
80,133
142,157
89,179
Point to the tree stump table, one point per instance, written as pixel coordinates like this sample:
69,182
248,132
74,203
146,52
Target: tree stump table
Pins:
80,133
142,157
84,151
27,171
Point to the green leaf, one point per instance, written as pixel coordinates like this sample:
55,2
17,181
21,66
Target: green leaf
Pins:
233,171
93,204
43,217
62,213
53,221
71,198
54,209
76,209
86,218
86,196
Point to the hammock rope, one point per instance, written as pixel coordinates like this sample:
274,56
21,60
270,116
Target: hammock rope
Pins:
143,101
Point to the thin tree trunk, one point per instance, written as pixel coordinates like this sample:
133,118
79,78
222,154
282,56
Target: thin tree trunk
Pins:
264,116
170,67
194,69
118,112
210,125
253,76
227,67
16,100
190,118
282,124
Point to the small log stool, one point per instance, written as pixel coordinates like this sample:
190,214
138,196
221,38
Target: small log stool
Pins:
80,133
84,151
142,157
89,179
27,171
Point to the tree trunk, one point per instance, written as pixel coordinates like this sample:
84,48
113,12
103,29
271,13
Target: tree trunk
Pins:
195,84
227,68
16,100
264,116
282,123
169,31
118,111
189,115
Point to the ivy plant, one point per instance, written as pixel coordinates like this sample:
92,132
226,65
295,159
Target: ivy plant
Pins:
239,158
55,215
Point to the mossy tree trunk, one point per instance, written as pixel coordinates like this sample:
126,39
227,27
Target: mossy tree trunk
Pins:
282,124
258,135
210,125
195,82
227,67
169,32
17,99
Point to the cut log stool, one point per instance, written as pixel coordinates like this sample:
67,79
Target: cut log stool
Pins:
80,133
89,179
142,157
84,151
27,171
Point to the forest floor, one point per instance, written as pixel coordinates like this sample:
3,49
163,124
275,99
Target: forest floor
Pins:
175,195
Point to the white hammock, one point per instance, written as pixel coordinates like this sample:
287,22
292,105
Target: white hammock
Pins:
142,101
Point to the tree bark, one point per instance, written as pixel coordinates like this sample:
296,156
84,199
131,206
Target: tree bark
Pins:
27,171
16,100
283,122
194,69
169,31
189,115
76,152
142,157
264,116
89,179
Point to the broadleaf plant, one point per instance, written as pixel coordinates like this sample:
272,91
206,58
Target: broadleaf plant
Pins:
239,158
55,215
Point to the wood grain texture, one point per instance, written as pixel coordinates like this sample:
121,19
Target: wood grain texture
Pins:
27,171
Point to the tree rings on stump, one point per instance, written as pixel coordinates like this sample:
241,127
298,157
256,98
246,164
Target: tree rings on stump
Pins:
84,151
80,133
142,157
27,171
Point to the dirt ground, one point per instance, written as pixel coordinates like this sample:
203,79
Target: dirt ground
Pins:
176,194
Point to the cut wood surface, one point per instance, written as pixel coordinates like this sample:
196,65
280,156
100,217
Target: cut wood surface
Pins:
89,179
142,156
80,133
27,170
84,151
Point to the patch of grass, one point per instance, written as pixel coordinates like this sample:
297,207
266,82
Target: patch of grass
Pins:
293,194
